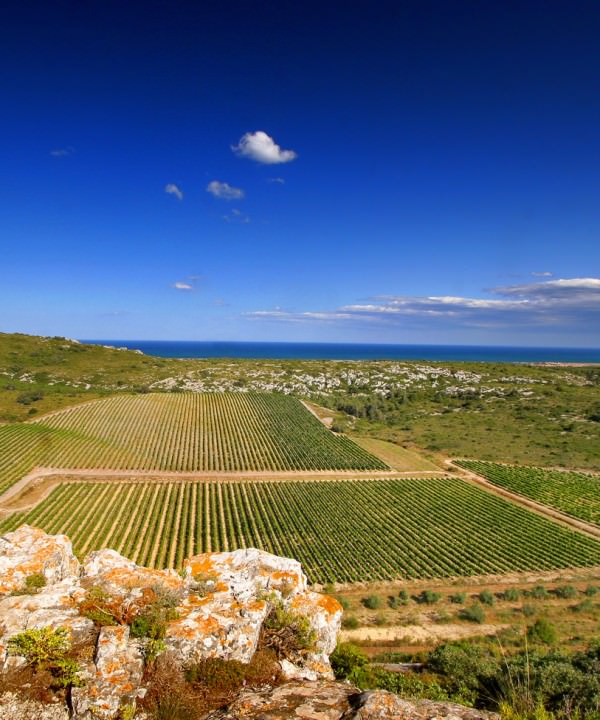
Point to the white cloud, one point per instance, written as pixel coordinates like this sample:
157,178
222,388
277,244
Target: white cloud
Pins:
572,303
224,191
172,189
62,152
542,274
179,285
261,147
277,180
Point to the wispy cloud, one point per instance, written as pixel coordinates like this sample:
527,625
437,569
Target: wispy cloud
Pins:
261,147
236,216
224,191
172,189
62,152
180,285
277,180
572,302
542,274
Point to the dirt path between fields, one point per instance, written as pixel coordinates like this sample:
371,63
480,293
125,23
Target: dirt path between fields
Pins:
420,633
536,507
37,484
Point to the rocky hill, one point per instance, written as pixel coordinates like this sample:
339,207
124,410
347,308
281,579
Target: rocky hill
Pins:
109,639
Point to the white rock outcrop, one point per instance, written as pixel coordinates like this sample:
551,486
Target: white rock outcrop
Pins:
222,600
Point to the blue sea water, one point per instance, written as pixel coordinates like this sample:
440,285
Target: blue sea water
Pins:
343,351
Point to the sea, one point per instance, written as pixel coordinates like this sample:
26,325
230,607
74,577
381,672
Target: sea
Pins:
354,351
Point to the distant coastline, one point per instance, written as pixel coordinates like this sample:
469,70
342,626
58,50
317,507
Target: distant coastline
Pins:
351,351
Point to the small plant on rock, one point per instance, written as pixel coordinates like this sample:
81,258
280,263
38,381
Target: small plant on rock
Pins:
47,649
287,633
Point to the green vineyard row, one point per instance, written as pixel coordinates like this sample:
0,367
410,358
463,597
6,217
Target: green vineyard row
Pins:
574,493
181,432
342,531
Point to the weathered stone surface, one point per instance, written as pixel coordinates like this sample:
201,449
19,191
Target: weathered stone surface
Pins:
383,705
114,678
324,700
118,575
28,551
327,700
248,572
55,606
14,707
216,626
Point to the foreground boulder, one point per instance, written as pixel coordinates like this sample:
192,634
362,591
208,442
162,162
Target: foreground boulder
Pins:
326,700
219,607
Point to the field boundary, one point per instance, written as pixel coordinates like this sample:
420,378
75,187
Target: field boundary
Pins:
123,476
539,508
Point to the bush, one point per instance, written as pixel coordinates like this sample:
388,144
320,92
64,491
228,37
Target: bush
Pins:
475,614
591,590
350,663
404,597
543,631
539,592
584,606
380,620
511,594
350,622
373,602
486,597
288,634
46,649
458,598
344,602
33,584
566,592
528,610
429,597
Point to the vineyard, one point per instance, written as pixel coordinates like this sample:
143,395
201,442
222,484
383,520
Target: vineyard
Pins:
181,432
340,530
574,493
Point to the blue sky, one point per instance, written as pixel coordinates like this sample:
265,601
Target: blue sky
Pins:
363,172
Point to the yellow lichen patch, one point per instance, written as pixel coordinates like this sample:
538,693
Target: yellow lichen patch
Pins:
200,564
330,604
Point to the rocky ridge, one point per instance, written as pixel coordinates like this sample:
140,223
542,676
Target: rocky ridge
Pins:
221,602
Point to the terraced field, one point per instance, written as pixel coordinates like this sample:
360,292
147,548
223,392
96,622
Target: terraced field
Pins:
574,493
340,530
201,432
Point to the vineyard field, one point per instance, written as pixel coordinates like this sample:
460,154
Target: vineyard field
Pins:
341,530
201,432
574,493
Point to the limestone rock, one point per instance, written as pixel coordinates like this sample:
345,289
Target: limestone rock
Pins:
327,700
14,707
28,551
119,576
114,679
383,705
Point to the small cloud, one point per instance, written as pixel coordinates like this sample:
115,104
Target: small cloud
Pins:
277,180
172,189
224,191
219,302
179,285
261,147
542,274
62,152
236,216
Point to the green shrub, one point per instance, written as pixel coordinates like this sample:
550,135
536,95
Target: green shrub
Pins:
539,592
543,631
380,620
350,622
46,649
429,597
404,597
487,597
511,594
591,590
350,663
528,610
287,633
474,613
458,598
372,602
344,602
566,592
583,607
